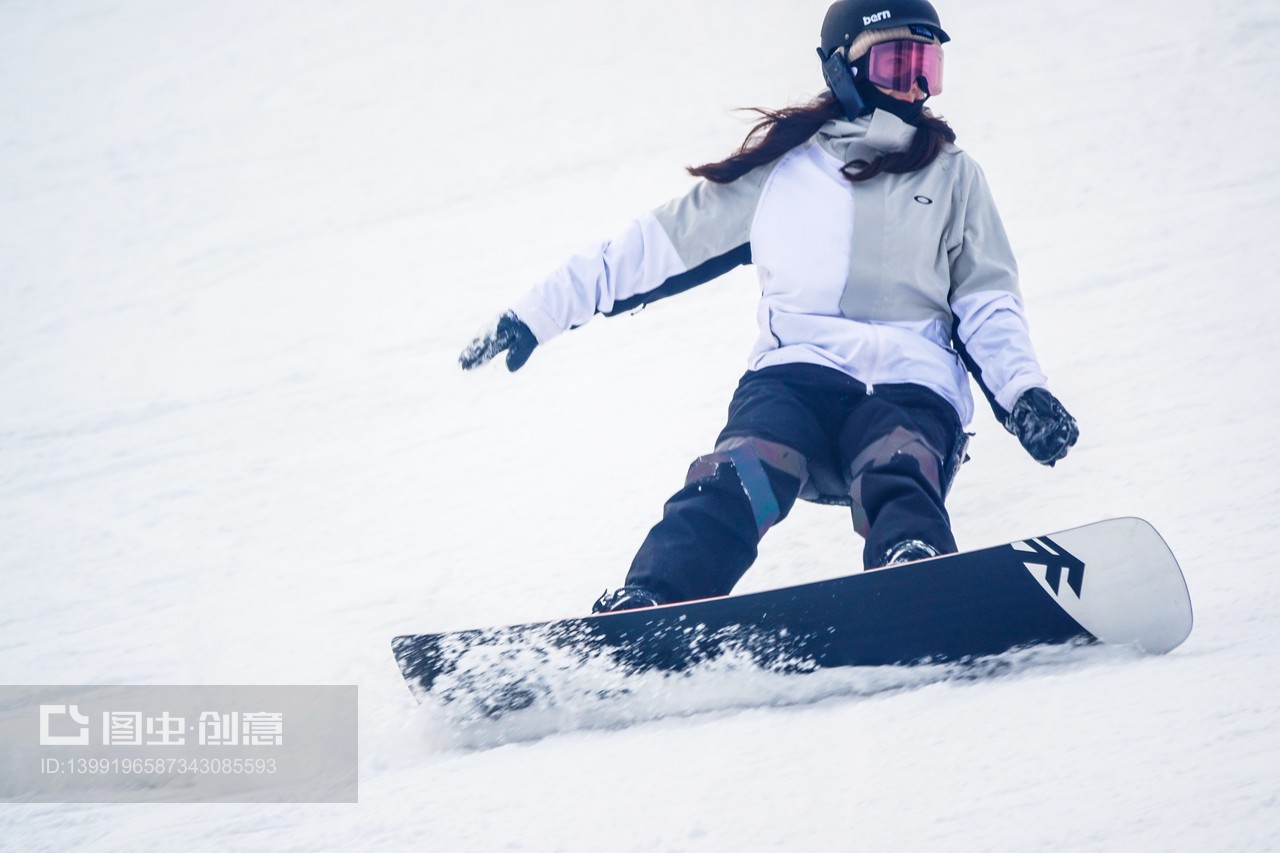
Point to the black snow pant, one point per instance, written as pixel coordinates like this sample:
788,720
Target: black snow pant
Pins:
806,431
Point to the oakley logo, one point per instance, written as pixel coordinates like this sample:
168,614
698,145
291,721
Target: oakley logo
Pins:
924,199
868,20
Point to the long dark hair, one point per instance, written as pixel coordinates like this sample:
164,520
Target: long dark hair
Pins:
778,131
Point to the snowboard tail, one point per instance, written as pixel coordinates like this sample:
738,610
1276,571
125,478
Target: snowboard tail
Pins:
1114,581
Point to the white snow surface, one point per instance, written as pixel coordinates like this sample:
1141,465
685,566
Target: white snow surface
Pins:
242,243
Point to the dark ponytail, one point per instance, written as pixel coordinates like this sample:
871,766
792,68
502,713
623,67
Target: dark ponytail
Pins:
774,135
781,130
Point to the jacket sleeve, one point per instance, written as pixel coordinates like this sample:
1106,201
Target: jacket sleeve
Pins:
685,242
990,329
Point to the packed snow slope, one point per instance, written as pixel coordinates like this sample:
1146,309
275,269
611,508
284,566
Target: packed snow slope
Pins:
241,244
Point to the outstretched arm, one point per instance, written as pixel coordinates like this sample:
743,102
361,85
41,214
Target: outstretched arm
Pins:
684,243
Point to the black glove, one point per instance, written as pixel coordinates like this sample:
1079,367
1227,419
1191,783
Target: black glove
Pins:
509,334
1043,426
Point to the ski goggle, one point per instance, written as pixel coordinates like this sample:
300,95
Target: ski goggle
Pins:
897,65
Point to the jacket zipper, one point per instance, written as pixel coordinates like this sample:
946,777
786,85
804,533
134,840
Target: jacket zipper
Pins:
872,368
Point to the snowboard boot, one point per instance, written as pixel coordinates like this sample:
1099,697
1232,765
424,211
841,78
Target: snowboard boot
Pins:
908,551
626,598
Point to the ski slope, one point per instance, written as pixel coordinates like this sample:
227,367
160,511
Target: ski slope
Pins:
242,243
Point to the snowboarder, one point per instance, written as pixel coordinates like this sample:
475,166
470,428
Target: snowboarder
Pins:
886,277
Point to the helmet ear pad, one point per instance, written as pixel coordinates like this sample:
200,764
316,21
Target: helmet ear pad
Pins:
839,77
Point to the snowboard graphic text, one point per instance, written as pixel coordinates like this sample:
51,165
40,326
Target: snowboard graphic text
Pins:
1054,559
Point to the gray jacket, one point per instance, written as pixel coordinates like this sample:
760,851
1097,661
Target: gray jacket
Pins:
875,279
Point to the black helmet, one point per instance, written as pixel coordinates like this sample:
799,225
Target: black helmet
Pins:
849,30
847,18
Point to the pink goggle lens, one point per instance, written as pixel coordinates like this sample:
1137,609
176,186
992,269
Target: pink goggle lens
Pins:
897,65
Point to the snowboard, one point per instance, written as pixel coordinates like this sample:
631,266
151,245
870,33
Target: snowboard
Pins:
1113,581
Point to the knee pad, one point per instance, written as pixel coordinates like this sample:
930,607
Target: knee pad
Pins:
903,450
748,457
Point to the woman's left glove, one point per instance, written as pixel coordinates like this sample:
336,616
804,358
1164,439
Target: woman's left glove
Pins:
509,334
1044,427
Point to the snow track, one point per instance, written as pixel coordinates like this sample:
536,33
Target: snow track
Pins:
241,245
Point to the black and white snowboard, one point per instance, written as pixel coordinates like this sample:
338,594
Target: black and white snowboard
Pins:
1114,582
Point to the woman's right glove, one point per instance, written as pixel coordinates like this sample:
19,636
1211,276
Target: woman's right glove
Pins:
509,334
1044,427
